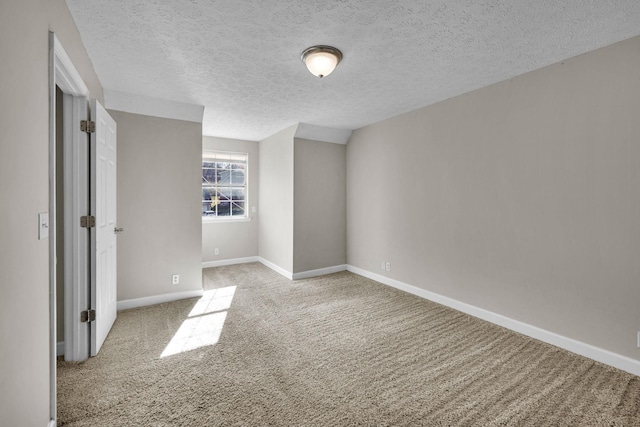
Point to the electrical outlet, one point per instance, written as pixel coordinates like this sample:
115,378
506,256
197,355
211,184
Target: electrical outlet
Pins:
388,266
216,251
176,279
383,266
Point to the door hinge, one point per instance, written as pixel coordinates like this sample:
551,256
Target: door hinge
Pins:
87,221
87,316
87,126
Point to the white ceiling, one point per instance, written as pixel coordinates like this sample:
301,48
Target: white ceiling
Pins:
241,59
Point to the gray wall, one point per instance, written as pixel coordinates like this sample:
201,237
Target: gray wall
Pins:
275,222
159,193
24,186
234,239
319,205
520,198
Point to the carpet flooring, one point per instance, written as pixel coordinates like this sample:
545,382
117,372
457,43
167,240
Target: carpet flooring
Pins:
336,350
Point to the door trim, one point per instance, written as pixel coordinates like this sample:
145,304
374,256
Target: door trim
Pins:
63,74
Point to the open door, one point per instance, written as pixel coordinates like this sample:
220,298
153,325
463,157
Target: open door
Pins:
90,221
103,235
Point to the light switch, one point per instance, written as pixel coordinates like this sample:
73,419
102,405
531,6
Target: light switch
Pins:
43,225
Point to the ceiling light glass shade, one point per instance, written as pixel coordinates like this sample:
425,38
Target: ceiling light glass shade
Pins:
321,60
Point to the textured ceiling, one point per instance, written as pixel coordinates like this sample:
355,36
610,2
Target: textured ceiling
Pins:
241,59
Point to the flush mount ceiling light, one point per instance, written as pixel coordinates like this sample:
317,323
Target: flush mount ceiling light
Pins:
321,60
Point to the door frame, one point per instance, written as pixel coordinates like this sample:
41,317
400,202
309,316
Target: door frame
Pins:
64,75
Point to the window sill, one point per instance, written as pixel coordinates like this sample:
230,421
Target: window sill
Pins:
224,220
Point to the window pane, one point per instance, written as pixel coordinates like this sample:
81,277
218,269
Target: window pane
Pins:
224,193
206,209
238,208
238,166
237,194
224,209
208,193
237,177
223,176
208,175
222,165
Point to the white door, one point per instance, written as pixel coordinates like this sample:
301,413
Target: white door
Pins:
103,207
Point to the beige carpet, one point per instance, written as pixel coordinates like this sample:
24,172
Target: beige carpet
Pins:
338,350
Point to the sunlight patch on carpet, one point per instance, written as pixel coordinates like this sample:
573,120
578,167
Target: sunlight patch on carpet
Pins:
204,324
214,300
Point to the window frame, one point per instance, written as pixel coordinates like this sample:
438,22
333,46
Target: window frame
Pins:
229,218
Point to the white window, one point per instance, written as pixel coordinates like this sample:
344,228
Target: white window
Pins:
224,185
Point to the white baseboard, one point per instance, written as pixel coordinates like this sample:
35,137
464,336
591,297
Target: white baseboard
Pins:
276,268
158,299
60,348
223,262
587,350
52,423
319,272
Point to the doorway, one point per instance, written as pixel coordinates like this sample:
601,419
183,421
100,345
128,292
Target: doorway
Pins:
67,93
82,194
